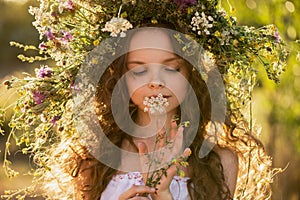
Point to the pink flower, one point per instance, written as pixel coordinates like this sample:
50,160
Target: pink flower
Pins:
75,87
69,5
49,34
43,72
42,46
183,4
277,36
38,97
54,120
54,14
67,37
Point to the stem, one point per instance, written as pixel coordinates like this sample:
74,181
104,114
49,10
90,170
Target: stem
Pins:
86,20
152,157
251,129
6,150
119,12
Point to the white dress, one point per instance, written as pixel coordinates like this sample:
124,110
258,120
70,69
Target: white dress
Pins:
122,182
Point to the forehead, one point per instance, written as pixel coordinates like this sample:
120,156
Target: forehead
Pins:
151,39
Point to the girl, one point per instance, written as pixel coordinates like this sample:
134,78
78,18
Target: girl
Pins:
151,68
142,101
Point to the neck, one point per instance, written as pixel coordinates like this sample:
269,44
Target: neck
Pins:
151,125
158,121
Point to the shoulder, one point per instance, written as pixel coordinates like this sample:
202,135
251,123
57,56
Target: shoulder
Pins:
229,160
228,156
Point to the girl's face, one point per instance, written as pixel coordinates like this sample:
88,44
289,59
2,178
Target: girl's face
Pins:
153,68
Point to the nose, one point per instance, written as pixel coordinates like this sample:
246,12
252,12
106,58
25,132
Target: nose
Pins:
155,84
156,80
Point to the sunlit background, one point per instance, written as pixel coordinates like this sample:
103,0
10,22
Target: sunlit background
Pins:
276,107
16,2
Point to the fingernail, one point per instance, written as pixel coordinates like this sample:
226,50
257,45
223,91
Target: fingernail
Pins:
180,128
152,189
188,151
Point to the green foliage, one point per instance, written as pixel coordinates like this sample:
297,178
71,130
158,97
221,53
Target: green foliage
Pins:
2,119
285,98
282,100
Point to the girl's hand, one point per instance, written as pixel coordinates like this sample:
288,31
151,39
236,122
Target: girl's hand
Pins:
163,191
169,147
136,190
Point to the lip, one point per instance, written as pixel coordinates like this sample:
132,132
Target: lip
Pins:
164,96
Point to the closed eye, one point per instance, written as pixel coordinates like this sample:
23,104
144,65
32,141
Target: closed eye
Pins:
138,73
177,69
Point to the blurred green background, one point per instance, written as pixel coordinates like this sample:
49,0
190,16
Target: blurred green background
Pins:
276,107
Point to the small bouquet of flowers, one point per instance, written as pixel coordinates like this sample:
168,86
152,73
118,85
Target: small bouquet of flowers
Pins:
166,148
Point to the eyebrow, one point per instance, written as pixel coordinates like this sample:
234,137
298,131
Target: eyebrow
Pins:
164,61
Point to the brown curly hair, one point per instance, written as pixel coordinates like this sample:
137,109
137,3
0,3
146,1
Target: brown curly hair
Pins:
207,181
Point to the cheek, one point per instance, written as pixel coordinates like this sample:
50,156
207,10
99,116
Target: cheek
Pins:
137,97
133,87
179,89
133,84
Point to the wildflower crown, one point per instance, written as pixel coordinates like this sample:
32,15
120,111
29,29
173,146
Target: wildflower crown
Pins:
73,28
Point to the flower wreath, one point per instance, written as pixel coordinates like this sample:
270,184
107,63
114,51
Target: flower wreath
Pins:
70,29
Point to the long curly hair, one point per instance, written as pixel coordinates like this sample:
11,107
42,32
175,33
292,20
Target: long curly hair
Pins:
207,181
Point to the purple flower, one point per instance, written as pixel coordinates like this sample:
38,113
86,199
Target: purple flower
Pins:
42,46
43,72
277,36
49,34
69,5
75,87
54,120
67,37
183,4
38,97
54,14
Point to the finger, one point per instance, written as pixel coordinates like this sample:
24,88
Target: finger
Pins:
173,169
187,152
136,190
144,159
166,180
178,141
183,164
173,130
171,150
162,138
142,147
161,134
